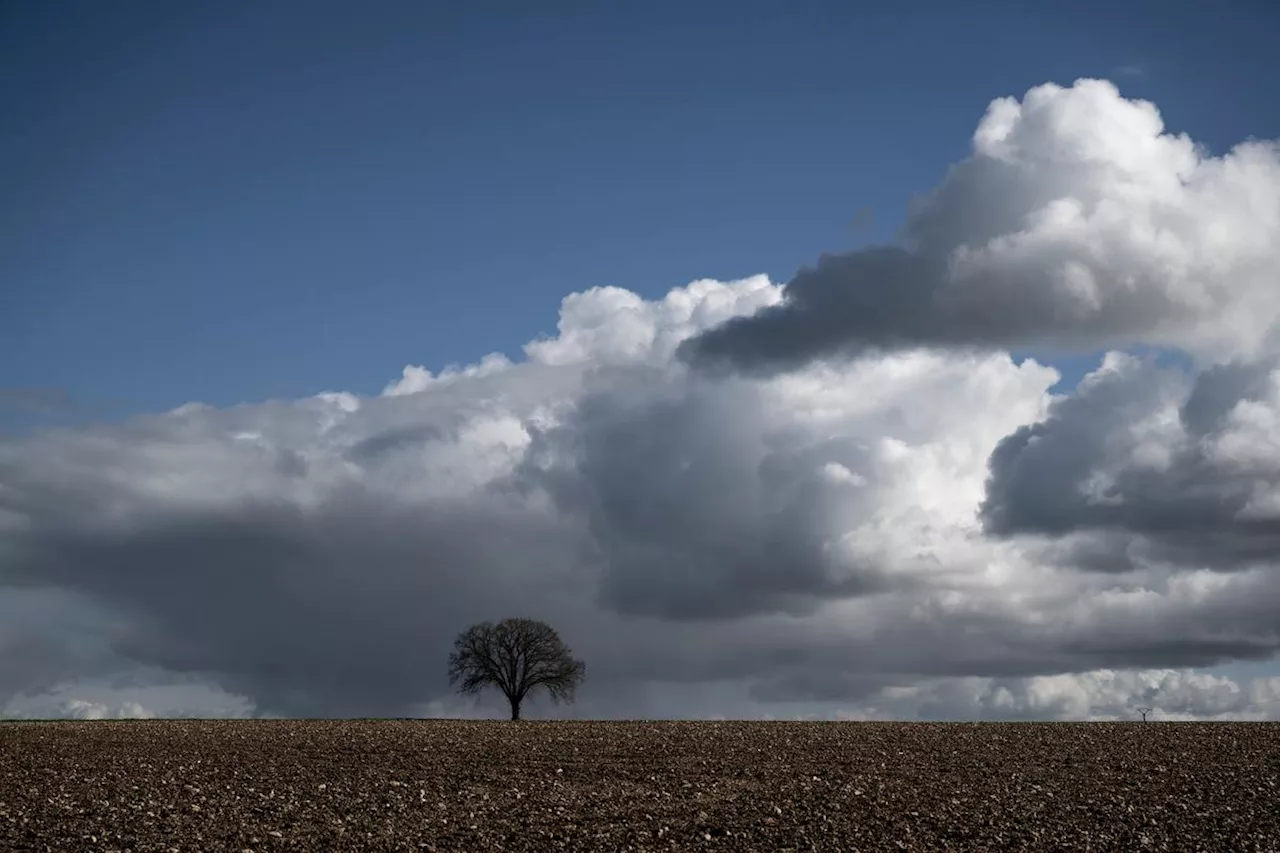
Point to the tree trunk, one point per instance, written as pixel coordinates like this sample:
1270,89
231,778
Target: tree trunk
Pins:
515,709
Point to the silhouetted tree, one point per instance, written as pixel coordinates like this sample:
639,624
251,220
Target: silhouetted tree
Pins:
516,656
1144,712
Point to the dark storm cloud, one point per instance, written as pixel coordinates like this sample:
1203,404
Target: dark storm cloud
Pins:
1076,472
1076,224
693,513
877,298
48,635
343,609
1219,389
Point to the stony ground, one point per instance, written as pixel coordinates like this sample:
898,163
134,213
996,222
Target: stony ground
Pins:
477,786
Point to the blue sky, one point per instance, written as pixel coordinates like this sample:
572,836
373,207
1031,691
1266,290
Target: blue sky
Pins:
239,201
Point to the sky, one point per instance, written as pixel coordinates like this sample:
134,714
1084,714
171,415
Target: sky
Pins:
793,360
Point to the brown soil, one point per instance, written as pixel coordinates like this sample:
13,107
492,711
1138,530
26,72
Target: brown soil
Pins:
476,786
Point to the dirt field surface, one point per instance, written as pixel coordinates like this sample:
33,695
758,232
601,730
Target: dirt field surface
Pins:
477,786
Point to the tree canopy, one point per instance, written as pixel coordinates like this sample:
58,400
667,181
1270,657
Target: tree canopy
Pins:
517,656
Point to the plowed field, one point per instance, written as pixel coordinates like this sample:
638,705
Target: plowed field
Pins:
477,786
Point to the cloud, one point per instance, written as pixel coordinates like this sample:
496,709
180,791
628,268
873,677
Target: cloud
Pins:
903,529
1095,695
728,498
130,695
1077,223
1170,468
78,709
710,544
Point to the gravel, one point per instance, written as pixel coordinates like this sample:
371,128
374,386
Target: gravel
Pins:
267,785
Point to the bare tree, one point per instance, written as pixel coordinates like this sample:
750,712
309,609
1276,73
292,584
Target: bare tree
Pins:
1144,712
516,656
